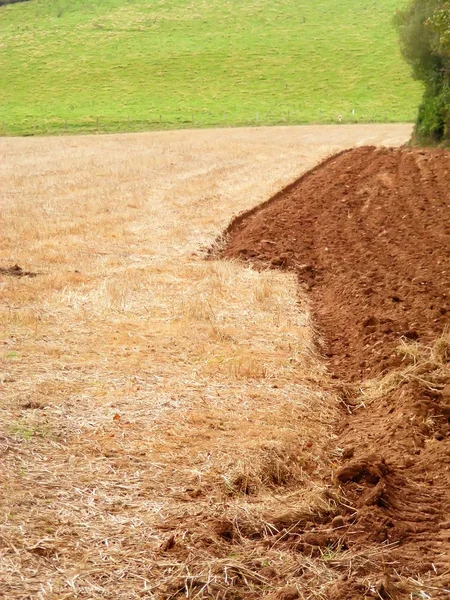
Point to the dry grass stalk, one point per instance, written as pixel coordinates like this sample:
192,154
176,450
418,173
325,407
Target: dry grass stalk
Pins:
430,365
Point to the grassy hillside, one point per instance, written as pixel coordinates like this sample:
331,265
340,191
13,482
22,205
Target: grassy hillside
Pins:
128,65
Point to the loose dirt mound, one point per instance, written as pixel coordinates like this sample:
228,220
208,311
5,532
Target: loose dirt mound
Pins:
368,231
16,271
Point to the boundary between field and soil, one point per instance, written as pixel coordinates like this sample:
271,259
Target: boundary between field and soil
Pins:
238,219
394,429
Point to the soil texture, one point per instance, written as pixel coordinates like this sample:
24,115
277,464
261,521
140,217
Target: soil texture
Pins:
368,233
394,500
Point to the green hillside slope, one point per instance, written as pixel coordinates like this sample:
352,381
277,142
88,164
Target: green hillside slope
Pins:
128,65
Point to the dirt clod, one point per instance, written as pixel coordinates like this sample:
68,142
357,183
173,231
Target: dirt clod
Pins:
346,590
168,544
368,470
348,452
338,522
288,593
16,271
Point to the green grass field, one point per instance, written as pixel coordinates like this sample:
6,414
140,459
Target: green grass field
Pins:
117,65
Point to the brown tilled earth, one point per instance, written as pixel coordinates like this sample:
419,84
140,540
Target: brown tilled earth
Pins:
368,233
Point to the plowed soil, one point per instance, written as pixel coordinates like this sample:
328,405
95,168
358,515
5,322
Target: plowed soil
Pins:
368,233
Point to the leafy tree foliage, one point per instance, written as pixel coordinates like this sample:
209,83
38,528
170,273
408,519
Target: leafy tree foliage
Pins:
424,28
5,2
440,24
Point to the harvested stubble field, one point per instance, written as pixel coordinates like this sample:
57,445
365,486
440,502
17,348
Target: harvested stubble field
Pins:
169,429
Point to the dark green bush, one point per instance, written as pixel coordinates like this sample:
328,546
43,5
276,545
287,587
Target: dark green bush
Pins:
424,29
5,2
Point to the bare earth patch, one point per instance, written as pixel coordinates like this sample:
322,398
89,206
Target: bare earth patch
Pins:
163,418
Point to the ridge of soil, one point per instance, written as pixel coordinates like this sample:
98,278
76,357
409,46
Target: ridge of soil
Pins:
368,233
